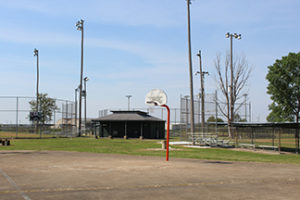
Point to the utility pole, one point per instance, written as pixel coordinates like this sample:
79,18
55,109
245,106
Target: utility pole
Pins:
191,73
202,74
79,26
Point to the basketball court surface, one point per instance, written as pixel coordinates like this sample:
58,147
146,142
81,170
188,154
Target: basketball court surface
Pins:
36,175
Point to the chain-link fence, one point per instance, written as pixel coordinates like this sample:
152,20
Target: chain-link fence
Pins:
15,121
214,108
271,136
266,136
275,136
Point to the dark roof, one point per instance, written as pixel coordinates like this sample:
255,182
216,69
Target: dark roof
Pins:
128,116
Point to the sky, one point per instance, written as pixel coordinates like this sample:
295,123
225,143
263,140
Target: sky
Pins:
133,46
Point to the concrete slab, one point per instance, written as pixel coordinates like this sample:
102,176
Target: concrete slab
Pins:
50,175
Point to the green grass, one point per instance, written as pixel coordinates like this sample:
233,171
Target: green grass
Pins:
285,142
144,148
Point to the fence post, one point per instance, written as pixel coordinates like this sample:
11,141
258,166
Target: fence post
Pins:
252,135
236,137
175,115
216,109
279,140
273,134
66,121
297,139
17,115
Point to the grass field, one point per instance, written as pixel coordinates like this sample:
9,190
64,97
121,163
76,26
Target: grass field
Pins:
284,142
143,148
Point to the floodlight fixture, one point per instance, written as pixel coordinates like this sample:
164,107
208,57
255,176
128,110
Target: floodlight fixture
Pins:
36,52
235,35
86,79
79,25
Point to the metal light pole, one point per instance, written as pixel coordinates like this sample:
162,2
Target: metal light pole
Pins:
79,26
202,74
191,72
128,96
36,53
85,93
237,36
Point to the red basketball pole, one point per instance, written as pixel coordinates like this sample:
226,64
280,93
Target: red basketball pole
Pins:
168,131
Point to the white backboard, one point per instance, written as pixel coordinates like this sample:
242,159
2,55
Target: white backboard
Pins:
156,97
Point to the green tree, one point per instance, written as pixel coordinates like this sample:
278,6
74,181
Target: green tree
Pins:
284,88
277,114
213,119
46,106
237,118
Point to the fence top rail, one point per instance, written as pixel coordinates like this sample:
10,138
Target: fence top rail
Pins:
271,124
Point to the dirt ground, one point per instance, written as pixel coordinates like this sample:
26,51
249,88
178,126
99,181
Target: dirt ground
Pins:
34,175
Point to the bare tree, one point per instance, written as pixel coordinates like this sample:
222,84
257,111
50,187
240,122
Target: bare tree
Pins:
241,74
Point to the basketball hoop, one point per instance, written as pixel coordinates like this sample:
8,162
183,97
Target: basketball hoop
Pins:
156,97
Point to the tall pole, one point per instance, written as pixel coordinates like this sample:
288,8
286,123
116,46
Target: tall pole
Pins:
85,93
245,95
231,82
36,53
79,25
202,93
249,111
231,102
191,72
128,96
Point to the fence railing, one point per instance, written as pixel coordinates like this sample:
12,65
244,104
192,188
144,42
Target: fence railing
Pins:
15,121
279,137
